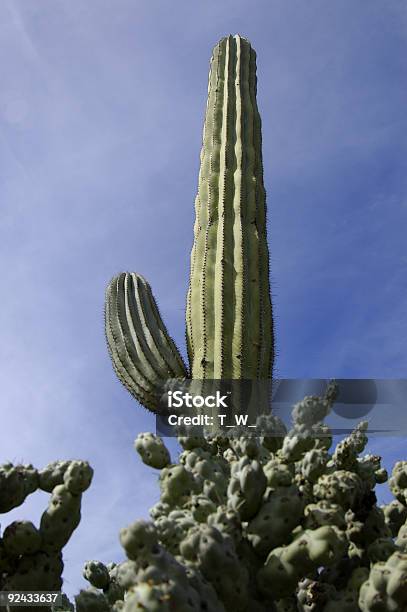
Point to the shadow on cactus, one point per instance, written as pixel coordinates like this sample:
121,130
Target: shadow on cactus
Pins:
272,523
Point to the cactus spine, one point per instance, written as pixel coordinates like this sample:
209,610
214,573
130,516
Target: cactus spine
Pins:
229,313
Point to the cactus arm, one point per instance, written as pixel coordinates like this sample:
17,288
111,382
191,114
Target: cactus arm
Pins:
229,317
142,352
126,371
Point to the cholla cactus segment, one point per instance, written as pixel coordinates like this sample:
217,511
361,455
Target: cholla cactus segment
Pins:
172,529
346,599
386,587
97,574
114,592
64,606
177,484
142,352
160,566
91,600
169,595
7,561
285,566
347,450
324,513
78,477
273,429
395,514
229,313
323,436
209,599
201,507
314,595
60,519
278,516
313,464
52,475
152,450
308,432
204,464
227,522
311,410
189,442
139,539
279,473
297,442
21,538
287,604
246,487
381,549
216,559
341,487
401,540
156,578
159,509
16,482
150,597
245,446
126,574
39,571
370,470
398,482
374,524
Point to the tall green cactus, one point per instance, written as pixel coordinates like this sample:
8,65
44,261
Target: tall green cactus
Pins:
229,312
229,319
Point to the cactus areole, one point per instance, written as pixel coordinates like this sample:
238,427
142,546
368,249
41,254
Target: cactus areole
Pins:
229,325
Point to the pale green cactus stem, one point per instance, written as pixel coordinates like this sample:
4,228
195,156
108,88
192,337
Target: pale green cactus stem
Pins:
229,313
142,352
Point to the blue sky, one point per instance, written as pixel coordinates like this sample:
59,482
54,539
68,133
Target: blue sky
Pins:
101,115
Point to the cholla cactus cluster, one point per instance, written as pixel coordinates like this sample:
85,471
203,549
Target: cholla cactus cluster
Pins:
277,523
30,556
281,523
